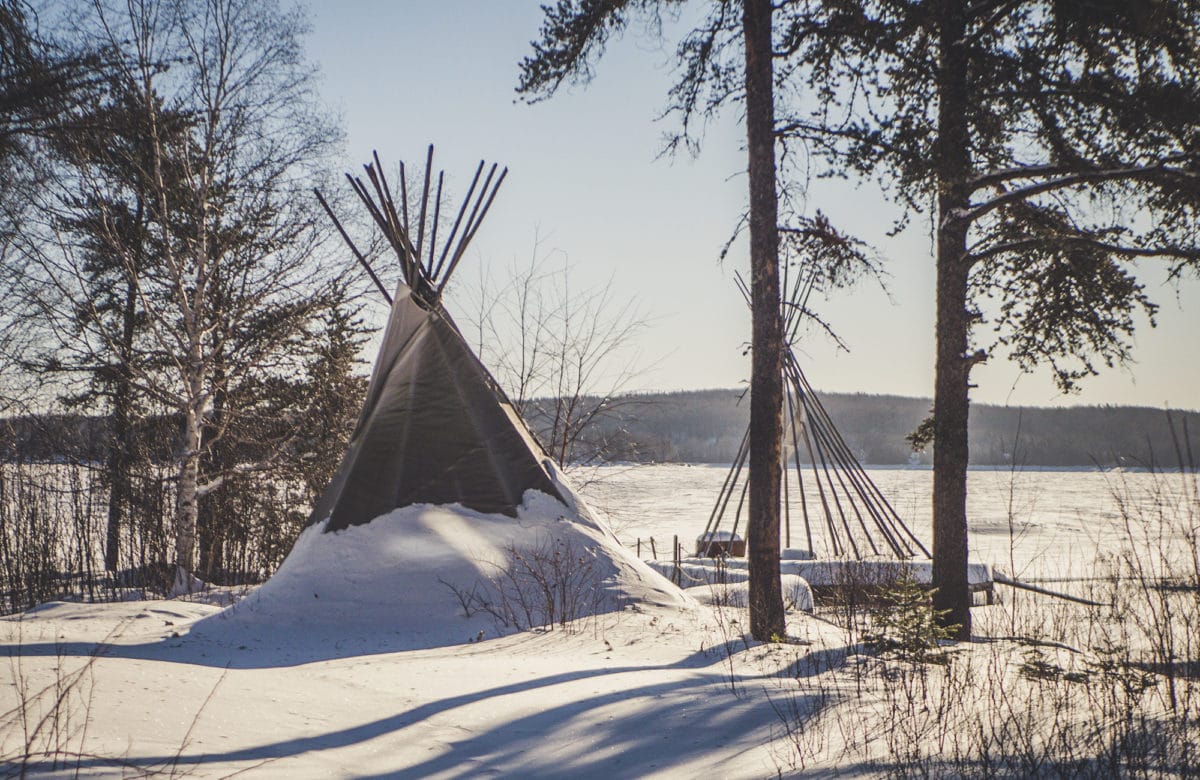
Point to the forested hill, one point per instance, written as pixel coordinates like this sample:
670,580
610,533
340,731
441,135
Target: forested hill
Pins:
706,427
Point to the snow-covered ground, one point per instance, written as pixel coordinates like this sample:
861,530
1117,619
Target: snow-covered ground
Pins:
638,693
1037,524
358,659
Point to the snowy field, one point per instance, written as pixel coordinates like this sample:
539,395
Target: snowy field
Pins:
1035,524
361,661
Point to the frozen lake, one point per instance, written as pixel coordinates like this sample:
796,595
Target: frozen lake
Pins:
1038,524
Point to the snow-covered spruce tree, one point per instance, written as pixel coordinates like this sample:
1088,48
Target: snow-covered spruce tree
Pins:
1057,143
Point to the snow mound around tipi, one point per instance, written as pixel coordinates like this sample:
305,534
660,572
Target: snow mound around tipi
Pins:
432,575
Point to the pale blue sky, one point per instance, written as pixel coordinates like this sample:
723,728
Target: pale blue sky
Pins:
585,177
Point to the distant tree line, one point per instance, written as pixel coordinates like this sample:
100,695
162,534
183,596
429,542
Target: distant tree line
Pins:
706,426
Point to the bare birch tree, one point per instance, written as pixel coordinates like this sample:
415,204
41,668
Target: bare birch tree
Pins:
234,279
566,356
221,270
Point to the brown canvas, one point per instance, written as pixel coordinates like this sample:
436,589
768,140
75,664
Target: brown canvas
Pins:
434,429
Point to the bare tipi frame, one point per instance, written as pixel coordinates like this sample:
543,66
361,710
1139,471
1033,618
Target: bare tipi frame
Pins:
839,502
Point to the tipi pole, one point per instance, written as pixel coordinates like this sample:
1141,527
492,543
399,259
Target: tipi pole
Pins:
787,510
473,224
799,471
457,221
392,226
846,466
718,511
737,515
822,436
387,193
466,234
833,492
833,534
357,254
893,517
383,222
424,203
403,192
437,212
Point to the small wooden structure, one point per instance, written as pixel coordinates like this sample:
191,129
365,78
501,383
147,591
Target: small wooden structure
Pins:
721,544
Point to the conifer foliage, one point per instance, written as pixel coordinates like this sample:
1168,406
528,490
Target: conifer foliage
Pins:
167,274
1057,143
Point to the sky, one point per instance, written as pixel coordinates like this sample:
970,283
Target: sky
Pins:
588,182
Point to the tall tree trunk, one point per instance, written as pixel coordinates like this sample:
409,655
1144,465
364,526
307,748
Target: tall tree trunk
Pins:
212,518
186,506
766,382
120,456
951,385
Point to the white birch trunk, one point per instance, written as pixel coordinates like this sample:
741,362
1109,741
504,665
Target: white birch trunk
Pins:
186,506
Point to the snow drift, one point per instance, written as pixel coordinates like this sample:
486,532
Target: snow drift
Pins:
428,576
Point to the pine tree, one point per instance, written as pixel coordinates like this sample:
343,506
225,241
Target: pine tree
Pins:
575,32
41,82
1059,143
104,210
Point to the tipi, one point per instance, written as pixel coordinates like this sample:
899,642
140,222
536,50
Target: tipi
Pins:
851,533
443,489
435,428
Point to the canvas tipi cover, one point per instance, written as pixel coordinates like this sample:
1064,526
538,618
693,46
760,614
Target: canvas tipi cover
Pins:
434,430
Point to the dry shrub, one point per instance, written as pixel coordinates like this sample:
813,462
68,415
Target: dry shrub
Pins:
552,582
1072,691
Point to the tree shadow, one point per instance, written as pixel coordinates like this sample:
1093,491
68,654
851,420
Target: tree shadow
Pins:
244,645
673,722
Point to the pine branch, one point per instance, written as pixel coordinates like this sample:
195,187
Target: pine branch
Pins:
1084,242
1142,172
